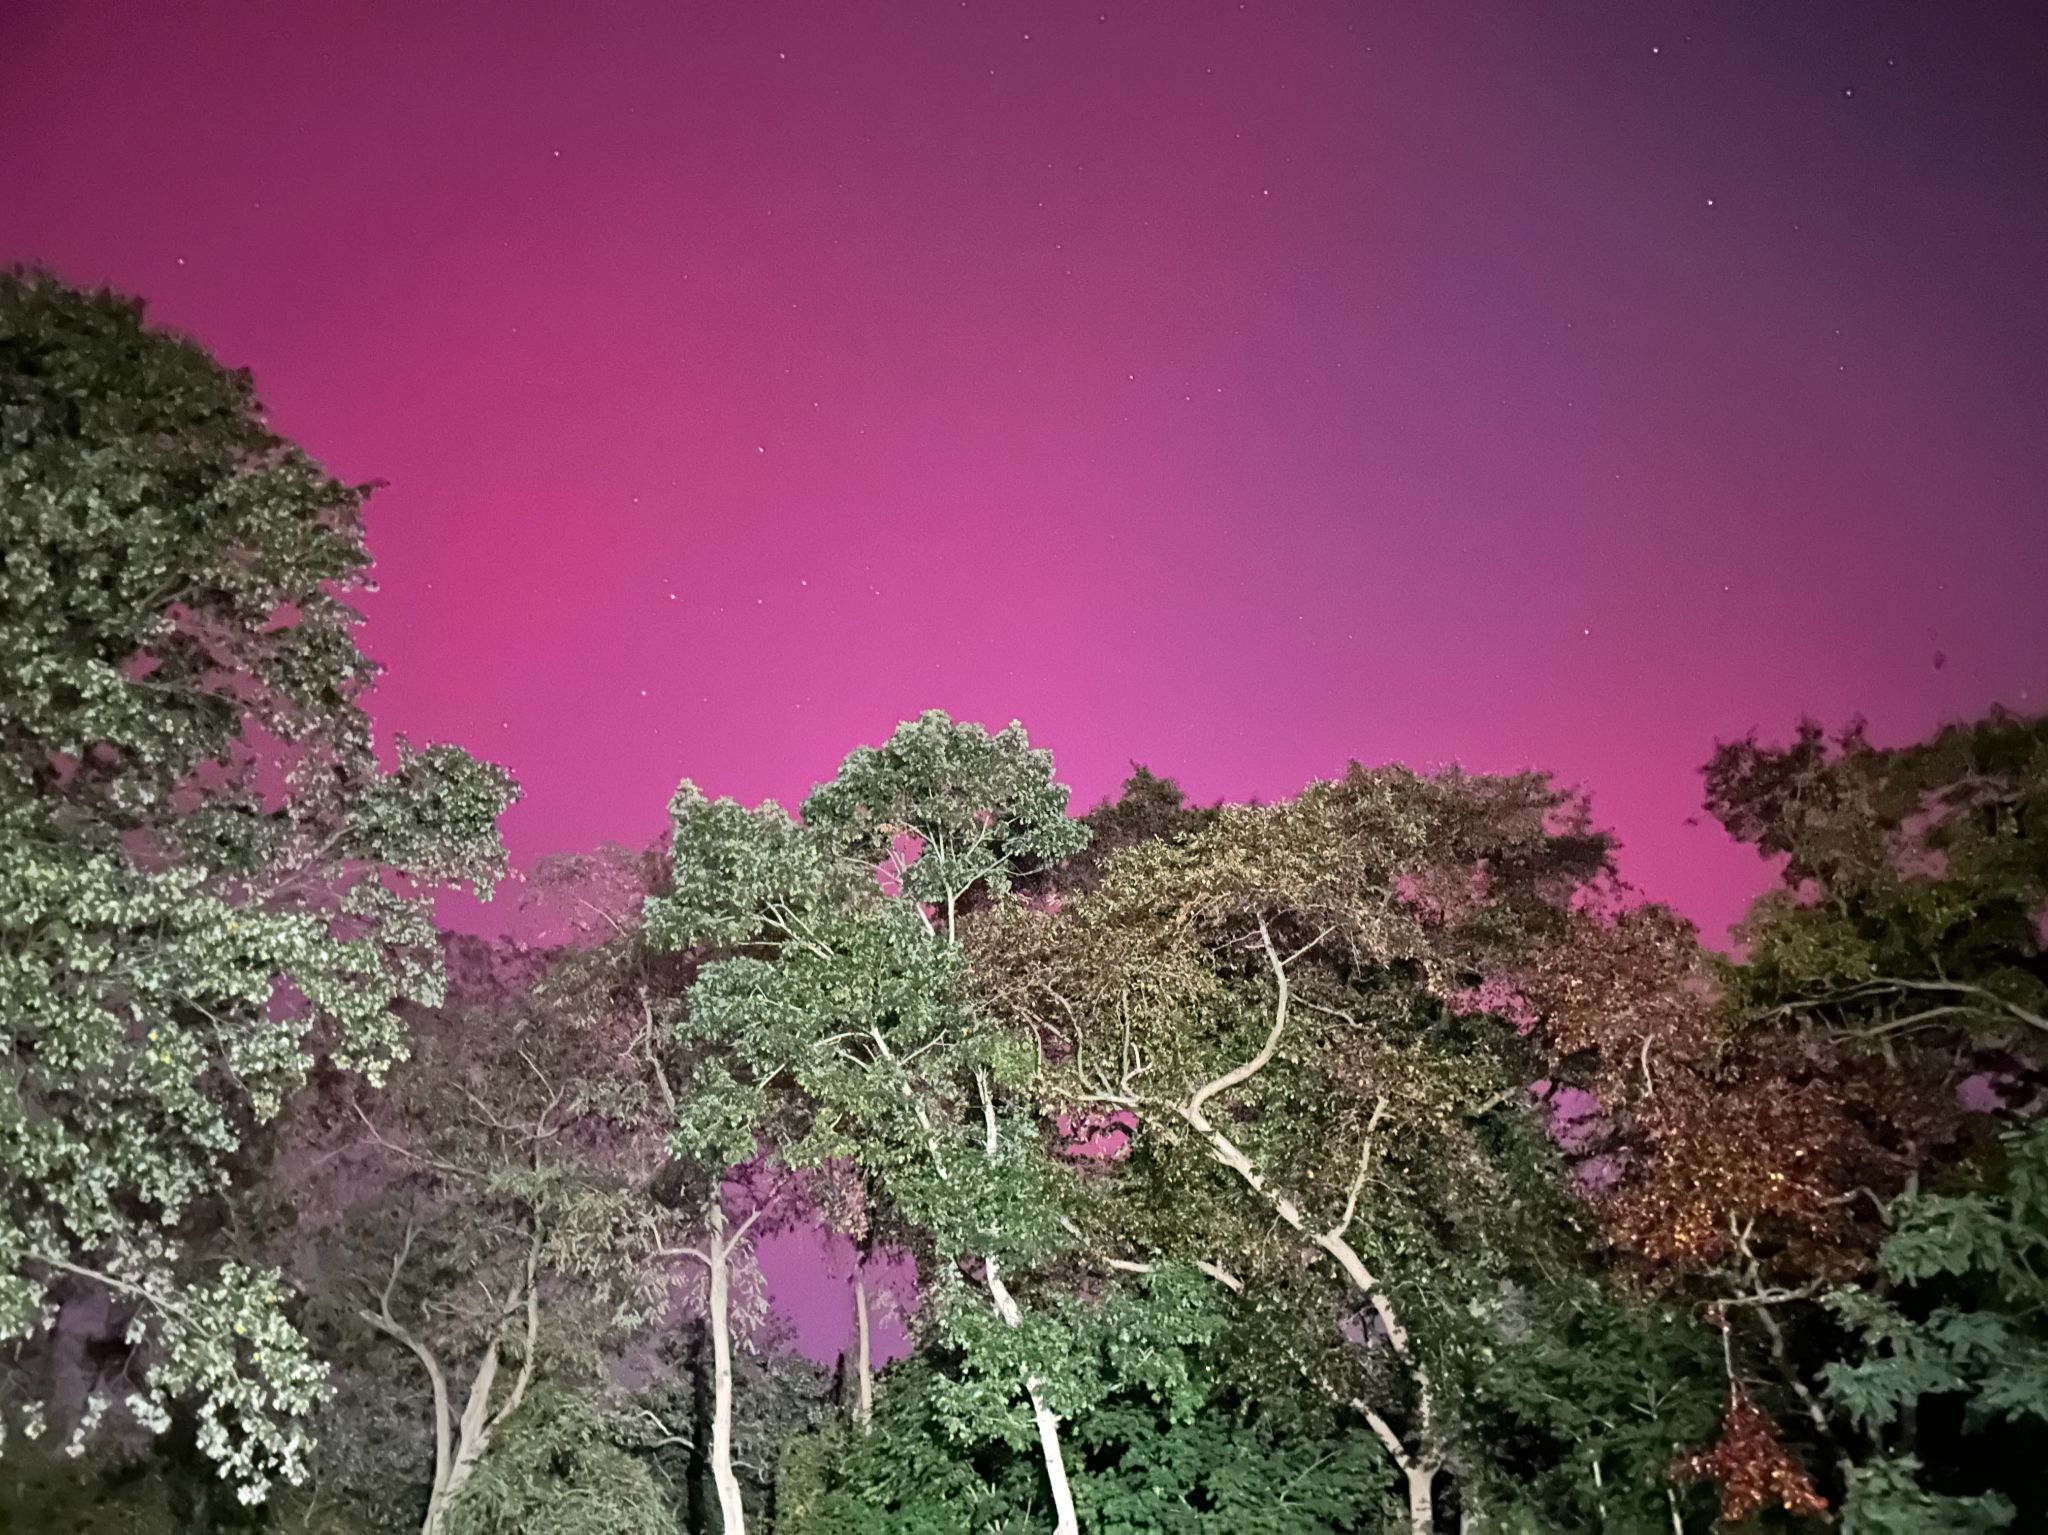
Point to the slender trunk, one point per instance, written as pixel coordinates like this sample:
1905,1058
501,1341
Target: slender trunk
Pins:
732,1512
863,1357
471,1440
444,1452
460,1445
1421,1499
1066,1521
1055,1464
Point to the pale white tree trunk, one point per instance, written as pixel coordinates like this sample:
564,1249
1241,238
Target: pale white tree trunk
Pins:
1421,1499
461,1444
863,1356
717,1255
1065,1520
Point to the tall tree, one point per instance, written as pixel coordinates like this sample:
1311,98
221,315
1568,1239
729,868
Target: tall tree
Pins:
489,1216
1914,882
832,1027
206,879
1277,1004
1763,1116
730,1386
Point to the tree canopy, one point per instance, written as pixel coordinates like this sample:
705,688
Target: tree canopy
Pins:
207,879
1370,1160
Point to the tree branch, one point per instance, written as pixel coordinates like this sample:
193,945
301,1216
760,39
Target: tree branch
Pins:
1379,1110
1257,1063
526,1361
384,1321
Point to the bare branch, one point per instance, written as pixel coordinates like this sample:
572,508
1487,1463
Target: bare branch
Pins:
1257,1063
1379,1110
526,1361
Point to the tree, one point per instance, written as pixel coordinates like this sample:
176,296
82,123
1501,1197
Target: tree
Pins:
1952,1347
832,1027
1282,1004
1764,1116
1146,808
489,1215
206,880
1914,881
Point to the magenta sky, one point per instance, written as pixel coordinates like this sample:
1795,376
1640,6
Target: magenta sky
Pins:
1239,388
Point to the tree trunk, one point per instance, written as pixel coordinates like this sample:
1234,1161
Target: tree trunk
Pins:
1421,1499
459,1446
732,1511
863,1357
472,1439
1066,1522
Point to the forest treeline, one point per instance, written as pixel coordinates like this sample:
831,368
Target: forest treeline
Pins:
1373,1160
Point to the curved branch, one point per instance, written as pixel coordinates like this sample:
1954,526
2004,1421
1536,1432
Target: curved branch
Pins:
1257,1063
383,1320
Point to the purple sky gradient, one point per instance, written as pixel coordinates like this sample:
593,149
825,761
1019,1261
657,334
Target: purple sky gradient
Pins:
1241,389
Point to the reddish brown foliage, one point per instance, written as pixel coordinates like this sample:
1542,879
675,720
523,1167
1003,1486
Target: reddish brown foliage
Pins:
1783,1143
1752,1467
1792,1143
1635,993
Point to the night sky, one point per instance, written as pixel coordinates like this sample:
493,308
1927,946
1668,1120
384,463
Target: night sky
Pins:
1237,388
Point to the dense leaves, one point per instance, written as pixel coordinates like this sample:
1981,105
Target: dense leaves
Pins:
206,879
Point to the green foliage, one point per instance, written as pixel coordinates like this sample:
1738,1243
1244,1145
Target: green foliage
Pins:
1971,1316
559,1469
985,808
1585,1399
1915,878
1144,1338
1147,808
1889,1497
836,1028
205,878
1140,1469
